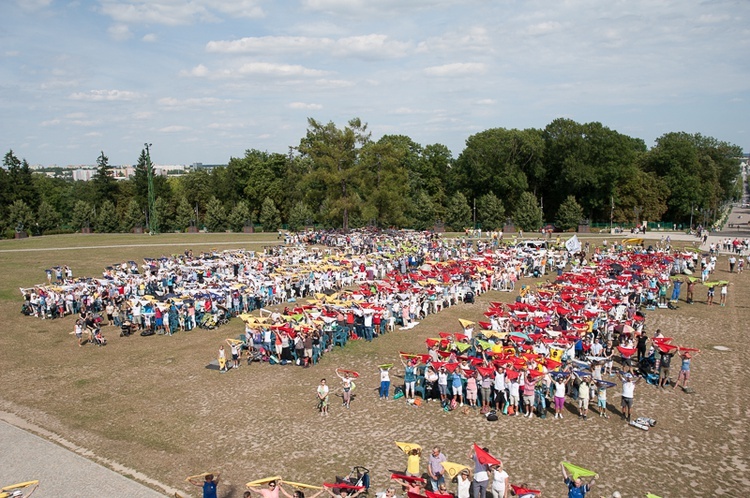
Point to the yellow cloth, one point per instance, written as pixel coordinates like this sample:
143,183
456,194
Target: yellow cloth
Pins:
412,465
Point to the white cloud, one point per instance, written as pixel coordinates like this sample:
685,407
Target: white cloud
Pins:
149,38
93,134
543,28
119,32
487,102
174,129
199,71
11,53
50,122
178,12
456,69
304,106
272,69
32,5
367,46
171,102
104,95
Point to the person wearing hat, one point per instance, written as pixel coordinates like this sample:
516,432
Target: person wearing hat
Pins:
576,487
463,483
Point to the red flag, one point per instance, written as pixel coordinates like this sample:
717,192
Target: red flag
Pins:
485,458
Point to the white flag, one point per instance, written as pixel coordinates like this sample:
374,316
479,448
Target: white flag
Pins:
573,244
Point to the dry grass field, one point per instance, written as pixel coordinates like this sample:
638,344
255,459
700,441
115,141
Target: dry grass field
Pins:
150,404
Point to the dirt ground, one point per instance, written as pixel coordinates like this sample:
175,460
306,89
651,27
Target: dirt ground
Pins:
150,403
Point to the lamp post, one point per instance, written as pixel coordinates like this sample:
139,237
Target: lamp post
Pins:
637,210
692,208
152,222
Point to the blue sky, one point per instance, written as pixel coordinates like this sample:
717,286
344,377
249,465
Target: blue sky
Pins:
204,80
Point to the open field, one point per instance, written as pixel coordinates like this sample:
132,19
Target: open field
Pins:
150,404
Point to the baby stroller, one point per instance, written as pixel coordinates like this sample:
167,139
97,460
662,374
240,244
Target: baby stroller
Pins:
469,297
359,476
99,339
207,322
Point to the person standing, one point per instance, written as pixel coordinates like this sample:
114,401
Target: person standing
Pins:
628,390
684,374
480,477
385,381
209,485
322,393
664,364
500,484
576,487
435,468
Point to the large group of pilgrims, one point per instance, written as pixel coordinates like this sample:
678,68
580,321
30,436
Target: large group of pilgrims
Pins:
575,329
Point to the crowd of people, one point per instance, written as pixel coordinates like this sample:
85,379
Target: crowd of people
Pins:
575,333
482,476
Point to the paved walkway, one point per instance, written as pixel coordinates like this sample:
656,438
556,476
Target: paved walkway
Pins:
61,472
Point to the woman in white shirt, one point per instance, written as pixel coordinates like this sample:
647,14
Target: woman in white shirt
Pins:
500,486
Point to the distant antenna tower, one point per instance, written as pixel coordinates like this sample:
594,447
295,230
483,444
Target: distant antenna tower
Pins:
152,221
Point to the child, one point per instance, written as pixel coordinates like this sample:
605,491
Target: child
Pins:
514,389
471,390
601,401
385,381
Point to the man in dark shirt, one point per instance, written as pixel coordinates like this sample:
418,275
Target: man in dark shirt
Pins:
666,360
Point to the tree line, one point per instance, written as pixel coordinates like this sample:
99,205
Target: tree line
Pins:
339,177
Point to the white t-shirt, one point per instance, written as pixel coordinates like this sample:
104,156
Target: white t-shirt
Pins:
464,486
384,375
442,378
559,389
628,388
498,482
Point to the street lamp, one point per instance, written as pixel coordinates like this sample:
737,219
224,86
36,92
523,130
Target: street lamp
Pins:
152,225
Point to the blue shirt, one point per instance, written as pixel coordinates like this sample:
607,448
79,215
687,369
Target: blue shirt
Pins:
576,492
209,489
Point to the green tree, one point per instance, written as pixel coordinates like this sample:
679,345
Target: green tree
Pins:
270,218
106,218
184,215
335,160
164,215
105,185
700,172
139,182
20,216
569,214
499,161
133,216
20,184
239,216
216,216
422,212
387,192
644,193
299,216
528,215
82,215
490,212
47,218
458,212
588,161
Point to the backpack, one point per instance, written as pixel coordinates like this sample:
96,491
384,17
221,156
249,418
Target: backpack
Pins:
492,416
